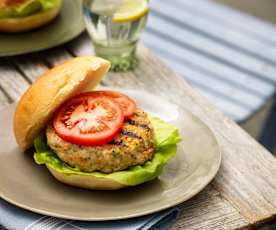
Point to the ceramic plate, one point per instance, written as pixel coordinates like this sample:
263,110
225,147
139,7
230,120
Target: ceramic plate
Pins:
30,186
65,27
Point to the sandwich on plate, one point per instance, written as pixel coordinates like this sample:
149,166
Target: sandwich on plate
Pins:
94,139
24,15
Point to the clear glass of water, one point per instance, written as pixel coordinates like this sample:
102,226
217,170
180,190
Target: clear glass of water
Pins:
114,36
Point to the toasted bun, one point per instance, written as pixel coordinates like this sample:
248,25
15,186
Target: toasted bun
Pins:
88,182
33,21
49,91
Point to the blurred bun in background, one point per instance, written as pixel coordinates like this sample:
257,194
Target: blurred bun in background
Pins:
25,15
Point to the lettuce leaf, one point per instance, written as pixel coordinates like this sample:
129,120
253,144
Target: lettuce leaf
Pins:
29,7
166,138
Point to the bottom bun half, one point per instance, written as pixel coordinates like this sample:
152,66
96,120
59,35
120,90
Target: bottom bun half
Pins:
87,182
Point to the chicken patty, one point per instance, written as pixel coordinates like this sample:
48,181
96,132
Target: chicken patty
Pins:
133,146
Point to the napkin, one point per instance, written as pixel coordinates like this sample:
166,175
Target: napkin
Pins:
13,218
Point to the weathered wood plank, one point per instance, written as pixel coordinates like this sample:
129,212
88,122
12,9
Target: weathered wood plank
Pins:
11,81
4,100
32,67
247,178
56,56
81,46
208,210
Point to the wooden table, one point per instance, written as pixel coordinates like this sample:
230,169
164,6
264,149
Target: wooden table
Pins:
243,194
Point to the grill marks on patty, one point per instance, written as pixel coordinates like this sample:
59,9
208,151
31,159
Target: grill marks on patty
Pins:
129,134
133,146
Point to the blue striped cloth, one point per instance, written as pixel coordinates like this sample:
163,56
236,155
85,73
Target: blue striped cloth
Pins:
14,218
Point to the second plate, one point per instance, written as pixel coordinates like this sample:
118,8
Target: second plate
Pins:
65,27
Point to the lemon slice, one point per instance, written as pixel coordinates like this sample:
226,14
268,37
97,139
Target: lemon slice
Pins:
130,10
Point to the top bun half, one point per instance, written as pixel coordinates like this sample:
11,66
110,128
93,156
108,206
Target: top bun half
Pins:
48,92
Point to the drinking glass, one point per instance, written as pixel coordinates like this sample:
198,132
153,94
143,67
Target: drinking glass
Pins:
114,36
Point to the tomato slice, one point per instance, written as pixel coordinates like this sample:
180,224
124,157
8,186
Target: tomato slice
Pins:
88,119
126,103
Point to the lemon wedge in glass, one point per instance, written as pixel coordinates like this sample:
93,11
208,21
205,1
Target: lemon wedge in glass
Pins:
130,10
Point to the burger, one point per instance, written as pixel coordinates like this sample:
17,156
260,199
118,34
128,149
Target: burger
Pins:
94,139
24,15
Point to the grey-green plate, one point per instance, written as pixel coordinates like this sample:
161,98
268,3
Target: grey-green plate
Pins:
65,27
29,186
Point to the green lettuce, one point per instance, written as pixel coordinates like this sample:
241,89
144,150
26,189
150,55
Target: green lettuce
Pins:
29,7
166,138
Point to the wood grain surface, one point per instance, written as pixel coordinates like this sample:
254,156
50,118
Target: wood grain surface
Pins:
242,195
